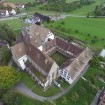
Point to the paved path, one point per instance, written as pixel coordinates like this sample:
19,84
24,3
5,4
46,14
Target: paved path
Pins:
21,88
95,100
13,17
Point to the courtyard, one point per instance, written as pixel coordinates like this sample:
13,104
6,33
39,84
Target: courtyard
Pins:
59,58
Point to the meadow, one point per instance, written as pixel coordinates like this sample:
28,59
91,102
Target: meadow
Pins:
14,24
85,29
87,9
20,1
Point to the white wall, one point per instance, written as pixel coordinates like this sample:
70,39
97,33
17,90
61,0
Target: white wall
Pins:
54,70
49,36
40,48
62,74
21,61
23,6
7,13
13,12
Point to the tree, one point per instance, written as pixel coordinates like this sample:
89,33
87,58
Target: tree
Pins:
4,55
75,96
64,100
95,62
88,15
49,103
6,33
11,98
9,8
8,77
18,10
62,22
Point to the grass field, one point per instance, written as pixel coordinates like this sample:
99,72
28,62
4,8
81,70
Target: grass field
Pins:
13,23
59,58
85,29
87,9
32,85
20,1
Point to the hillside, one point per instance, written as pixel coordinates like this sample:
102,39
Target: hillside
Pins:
19,1
87,9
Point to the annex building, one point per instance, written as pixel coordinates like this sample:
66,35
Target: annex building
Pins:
34,52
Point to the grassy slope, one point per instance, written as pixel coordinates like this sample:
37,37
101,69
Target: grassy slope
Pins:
68,1
87,9
92,26
28,101
87,25
14,23
19,1
86,93
35,87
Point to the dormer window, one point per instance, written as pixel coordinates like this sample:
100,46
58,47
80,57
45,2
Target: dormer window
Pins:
49,39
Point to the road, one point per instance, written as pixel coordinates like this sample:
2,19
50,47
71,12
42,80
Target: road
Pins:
63,15
95,100
13,17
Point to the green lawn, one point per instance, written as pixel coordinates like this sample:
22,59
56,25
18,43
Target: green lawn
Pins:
59,58
85,29
50,92
14,24
27,101
63,83
26,79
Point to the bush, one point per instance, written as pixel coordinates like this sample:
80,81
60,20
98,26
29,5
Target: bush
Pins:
74,97
88,34
76,31
11,98
62,22
64,100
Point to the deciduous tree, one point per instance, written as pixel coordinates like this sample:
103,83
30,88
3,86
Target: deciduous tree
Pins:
8,77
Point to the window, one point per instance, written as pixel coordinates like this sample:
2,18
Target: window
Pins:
68,77
61,72
65,73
